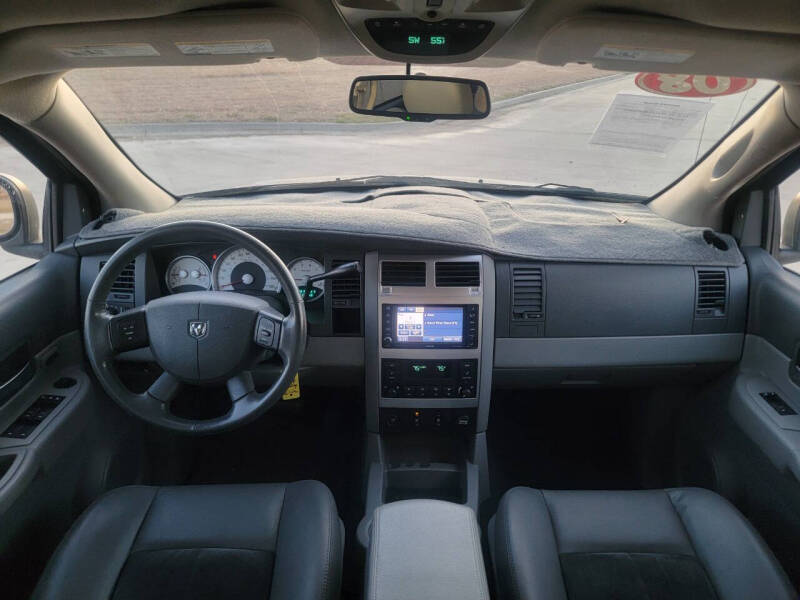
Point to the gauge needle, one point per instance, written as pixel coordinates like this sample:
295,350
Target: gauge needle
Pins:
246,279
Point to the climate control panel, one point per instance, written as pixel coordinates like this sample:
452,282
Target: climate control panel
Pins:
429,378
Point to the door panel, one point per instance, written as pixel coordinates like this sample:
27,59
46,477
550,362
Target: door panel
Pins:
39,304
759,457
39,473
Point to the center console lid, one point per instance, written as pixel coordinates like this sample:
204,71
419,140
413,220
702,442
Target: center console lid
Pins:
425,549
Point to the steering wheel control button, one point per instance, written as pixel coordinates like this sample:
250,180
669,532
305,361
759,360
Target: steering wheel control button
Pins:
267,332
128,332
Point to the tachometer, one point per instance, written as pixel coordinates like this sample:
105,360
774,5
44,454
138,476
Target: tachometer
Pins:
303,268
238,270
187,274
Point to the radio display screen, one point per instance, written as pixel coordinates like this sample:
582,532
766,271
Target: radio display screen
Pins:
429,324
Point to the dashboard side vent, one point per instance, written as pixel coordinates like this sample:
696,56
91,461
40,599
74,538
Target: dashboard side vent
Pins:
527,292
126,281
712,293
403,273
458,274
345,291
346,302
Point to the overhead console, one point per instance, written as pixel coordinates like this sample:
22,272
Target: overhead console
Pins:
430,31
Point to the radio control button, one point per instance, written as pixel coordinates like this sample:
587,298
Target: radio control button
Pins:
466,391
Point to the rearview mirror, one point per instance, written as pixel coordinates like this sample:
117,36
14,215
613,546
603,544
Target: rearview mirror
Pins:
419,98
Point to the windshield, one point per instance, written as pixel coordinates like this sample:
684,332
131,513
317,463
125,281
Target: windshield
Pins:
195,129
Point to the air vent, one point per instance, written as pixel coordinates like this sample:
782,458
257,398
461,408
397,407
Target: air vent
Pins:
345,291
126,281
528,292
712,293
458,274
346,303
403,274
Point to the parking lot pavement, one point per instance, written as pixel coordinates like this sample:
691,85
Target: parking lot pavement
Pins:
544,139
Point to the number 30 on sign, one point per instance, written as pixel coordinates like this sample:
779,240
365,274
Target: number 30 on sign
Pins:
692,86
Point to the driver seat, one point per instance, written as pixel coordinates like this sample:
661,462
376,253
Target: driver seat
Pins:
277,541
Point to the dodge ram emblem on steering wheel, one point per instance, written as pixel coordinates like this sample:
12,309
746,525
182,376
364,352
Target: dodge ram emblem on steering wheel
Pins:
198,329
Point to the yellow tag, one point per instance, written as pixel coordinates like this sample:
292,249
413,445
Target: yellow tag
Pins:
293,391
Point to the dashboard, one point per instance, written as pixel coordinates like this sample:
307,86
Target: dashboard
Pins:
428,335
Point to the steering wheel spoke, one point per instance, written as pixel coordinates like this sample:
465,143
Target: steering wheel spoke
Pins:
165,388
240,385
128,331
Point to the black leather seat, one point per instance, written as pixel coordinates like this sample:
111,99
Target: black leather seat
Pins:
214,541
687,544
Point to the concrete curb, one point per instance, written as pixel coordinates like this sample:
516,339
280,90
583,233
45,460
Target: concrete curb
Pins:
214,129
554,91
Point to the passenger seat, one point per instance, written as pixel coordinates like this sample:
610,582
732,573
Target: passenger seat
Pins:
685,543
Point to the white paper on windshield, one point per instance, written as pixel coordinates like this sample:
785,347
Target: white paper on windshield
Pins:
650,123
233,47
107,50
656,55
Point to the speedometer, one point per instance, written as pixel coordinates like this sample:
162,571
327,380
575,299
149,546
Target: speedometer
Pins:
187,274
239,270
303,268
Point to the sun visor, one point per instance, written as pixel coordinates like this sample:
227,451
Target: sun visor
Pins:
636,43
197,38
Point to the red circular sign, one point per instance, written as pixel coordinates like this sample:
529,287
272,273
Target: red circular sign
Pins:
693,86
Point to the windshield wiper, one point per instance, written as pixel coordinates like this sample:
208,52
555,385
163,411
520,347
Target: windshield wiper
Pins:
384,181
352,183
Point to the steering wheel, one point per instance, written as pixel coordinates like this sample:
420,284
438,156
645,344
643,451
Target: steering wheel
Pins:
199,338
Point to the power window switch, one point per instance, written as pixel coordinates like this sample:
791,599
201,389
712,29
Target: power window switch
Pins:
778,404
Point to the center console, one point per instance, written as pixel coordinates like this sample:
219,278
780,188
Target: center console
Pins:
429,342
425,549
432,341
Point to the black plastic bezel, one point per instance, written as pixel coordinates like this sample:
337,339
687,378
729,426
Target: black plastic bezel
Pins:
389,327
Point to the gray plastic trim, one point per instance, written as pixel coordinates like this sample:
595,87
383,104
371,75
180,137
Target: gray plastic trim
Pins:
334,352
372,384
617,351
487,344
37,453
764,368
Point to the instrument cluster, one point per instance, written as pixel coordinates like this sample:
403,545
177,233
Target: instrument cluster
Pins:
237,269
